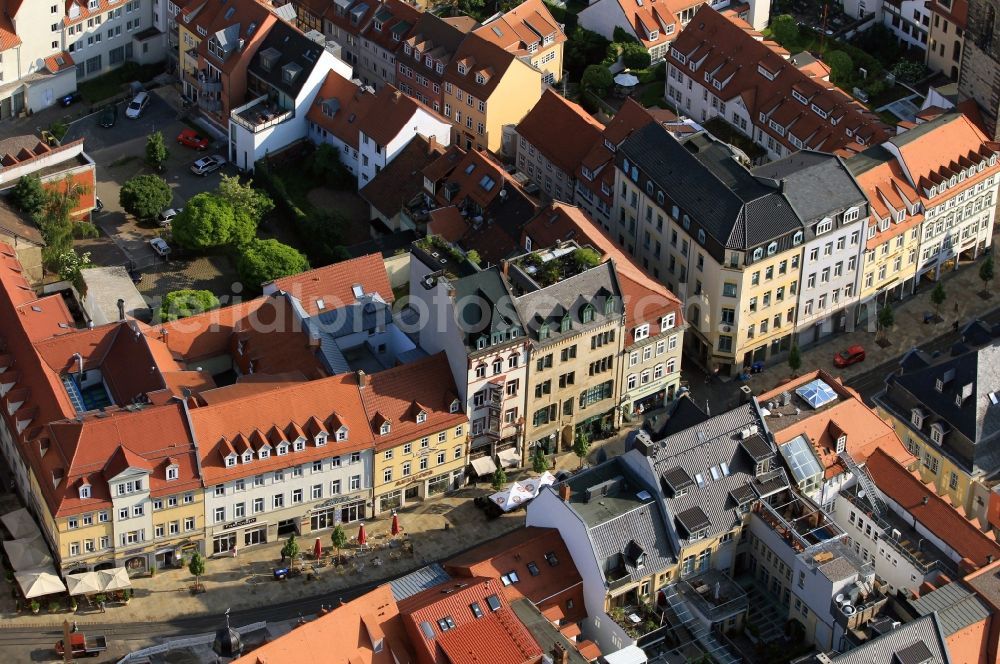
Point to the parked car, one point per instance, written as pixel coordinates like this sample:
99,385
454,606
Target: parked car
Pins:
206,165
137,105
83,646
852,355
190,138
160,246
109,115
70,99
167,216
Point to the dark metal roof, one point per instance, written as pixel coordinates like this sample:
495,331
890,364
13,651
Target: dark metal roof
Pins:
957,607
815,183
677,478
694,519
743,494
549,304
296,54
758,448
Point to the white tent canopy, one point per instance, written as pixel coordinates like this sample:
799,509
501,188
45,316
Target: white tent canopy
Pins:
87,583
39,582
27,553
114,579
484,466
509,458
20,524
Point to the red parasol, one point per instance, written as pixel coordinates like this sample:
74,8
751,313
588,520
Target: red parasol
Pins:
317,549
362,536
395,524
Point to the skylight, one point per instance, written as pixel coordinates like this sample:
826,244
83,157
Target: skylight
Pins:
494,602
817,393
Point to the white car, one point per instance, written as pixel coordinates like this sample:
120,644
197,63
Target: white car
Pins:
167,216
137,105
206,165
160,246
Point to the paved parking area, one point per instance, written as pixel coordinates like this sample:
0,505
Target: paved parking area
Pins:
119,152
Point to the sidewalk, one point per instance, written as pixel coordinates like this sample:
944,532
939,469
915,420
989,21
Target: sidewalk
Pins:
438,530
963,304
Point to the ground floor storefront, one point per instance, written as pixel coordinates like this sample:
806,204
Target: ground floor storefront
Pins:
420,487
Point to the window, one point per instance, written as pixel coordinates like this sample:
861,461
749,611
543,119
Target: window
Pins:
220,514
172,472
509,578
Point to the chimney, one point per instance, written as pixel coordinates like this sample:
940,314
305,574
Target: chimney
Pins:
362,378
396,94
121,309
432,144
564,492
559,654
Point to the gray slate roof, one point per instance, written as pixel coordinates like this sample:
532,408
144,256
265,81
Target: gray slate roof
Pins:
883,649
704,179
697,450
485,306
816,184
549,304
418,580
957,607
297,51
978,418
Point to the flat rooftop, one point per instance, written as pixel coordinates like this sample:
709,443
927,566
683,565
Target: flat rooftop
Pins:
604,492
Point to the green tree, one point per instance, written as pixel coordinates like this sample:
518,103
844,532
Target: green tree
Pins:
938,296
785,30
338,538
69,264
156,150
144,196
55,222
539,462
886,320
28,195
581,446
795,359
597,79
249,204
634,56
197,568
206,221
267,260
184,303
499,478
291,548
908,71
473,256
986,271
841,65
326,165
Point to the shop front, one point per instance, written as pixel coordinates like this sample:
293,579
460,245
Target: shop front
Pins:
418,487
238,534
340,509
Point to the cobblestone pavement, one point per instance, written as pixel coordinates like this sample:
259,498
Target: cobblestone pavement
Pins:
437,529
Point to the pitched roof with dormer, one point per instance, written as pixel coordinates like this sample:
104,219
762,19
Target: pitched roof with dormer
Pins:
336,285
478,66
525,26
578,131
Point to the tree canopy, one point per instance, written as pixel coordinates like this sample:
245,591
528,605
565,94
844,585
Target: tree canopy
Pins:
156,150
841,65
597,79
144,196
785,30
206,221
266,260
28,195
250,205
187,302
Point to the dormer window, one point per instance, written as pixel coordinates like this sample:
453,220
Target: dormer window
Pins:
299,445
265,453
797,238
772,248
565,324
321,439
917,418
230,461
173,472
588,314
384,429
824,226
667,322
84,491
421,417
455,405
937,433
900,216
282,449
641,332
609,305
341,434
851,214
480,79
461,69
247,456
543,332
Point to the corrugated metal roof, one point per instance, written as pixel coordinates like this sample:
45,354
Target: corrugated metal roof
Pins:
957,607
882,649
418,581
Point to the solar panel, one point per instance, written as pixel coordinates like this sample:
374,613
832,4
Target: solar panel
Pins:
799,456
816,393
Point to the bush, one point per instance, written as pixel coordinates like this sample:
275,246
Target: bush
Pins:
841,66
266,260
597,79
908,71
187,302
785,30
207,221
156,150
145,195
28,195
622,36
583,48
634,56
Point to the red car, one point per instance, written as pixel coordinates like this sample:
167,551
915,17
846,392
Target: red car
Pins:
852,355
191,139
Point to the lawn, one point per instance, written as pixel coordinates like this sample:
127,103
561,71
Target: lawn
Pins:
113,83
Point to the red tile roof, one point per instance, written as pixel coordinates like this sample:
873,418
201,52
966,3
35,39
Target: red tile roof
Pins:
347,106
448,223
285,413
931,510
397,395
86,182
551,587
59,61
865,430
485,65
578,131
8,36
391,113
343,636
528,23
598,159
728,48
334,284
509,641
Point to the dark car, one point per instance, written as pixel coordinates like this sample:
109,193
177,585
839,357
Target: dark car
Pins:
852,355
109,115
70,99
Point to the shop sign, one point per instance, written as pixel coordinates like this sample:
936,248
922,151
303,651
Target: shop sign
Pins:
240,523
414,478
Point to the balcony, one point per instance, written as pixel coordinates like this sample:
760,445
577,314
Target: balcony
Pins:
714,595
618,579
260,114
638,620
